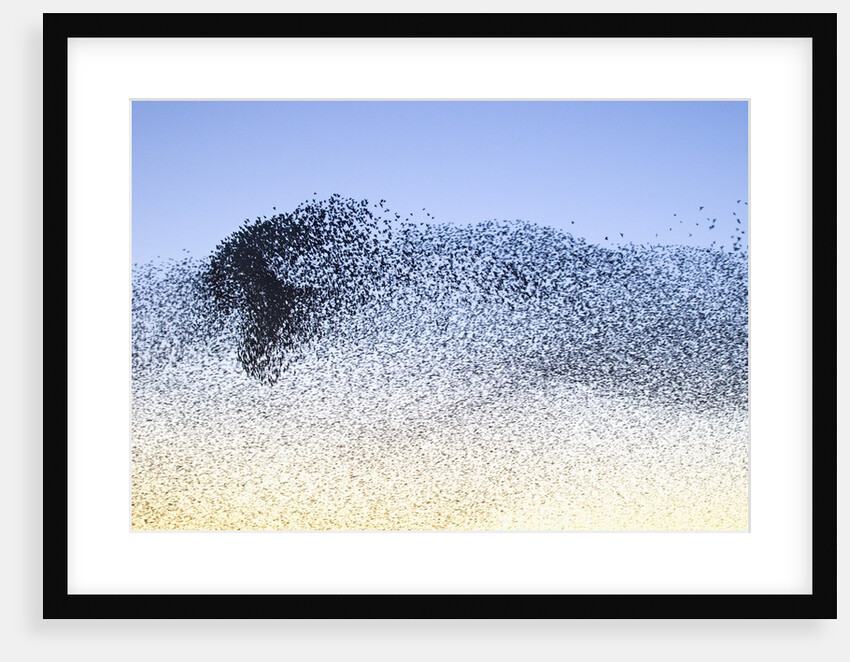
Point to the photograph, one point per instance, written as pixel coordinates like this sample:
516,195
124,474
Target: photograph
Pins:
440,315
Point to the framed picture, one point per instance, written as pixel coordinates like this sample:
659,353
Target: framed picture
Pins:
491,316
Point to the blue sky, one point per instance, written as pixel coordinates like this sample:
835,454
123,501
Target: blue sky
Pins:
201,167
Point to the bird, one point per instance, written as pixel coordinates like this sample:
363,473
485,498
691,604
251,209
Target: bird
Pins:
701,208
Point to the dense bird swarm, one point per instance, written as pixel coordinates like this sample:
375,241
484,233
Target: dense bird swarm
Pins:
340,366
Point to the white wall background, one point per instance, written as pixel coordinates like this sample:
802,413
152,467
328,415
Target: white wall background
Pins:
24,636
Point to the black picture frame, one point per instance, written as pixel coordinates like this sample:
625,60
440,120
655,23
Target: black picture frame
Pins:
820,28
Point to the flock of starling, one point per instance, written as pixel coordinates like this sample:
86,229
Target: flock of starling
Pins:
344,315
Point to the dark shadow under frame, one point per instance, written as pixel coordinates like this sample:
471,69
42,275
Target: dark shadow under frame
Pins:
820,28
